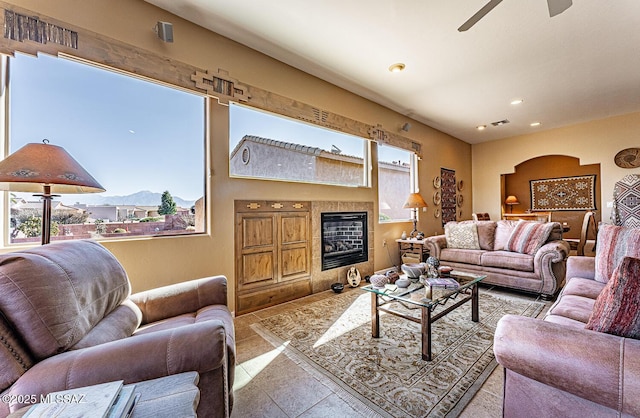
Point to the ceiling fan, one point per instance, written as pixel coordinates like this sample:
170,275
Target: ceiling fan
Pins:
555,8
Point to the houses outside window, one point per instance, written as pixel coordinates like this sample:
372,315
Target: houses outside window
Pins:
268,146
397,174
138,138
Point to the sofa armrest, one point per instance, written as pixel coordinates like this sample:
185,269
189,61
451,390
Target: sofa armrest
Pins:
599,367
434,244
180,298
581,266
549,264
197,347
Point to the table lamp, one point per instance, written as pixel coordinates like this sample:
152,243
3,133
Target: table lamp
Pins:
510,201
414,202
48,169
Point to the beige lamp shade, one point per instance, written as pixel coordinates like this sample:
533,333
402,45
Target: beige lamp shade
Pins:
414,201
35,165
511,200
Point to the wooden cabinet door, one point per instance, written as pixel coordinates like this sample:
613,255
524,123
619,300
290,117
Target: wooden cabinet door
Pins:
295,246
257,243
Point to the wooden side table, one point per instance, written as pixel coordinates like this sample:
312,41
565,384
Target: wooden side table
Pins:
166,397
413,247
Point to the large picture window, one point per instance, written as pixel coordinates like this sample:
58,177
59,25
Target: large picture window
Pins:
143,141
268,146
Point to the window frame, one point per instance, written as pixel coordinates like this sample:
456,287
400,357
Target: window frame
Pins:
413,184
5,138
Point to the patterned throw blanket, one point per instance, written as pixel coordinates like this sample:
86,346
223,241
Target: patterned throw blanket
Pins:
626,202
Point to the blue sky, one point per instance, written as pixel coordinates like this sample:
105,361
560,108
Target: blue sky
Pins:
129,134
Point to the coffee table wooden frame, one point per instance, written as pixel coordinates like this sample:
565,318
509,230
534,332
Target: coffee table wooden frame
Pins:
379,298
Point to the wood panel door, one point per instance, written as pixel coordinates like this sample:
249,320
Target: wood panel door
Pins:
273,253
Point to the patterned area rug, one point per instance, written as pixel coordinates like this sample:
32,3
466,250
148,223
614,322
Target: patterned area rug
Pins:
332,339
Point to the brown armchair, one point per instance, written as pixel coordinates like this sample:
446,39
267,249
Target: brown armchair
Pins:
68,321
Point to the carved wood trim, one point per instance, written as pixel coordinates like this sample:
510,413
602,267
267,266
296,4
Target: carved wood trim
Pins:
221,86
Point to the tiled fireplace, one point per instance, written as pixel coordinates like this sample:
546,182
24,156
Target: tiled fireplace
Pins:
344,239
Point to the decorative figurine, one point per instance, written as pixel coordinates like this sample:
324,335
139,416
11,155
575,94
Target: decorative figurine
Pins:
432,266
353,277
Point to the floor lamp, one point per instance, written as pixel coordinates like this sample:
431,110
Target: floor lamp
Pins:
45,169
414,202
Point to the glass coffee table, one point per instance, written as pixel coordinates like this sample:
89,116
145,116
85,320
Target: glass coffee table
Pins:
427,299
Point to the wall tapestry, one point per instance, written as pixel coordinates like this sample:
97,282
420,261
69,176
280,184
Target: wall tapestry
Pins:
448,195
626,202
564,193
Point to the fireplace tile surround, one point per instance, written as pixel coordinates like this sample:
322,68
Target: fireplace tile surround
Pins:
322,280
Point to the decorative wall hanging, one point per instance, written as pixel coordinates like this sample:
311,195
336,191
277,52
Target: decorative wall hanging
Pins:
436,213
564,193
436,182
626,202
628,158
448,189
437,197
460,185
460,200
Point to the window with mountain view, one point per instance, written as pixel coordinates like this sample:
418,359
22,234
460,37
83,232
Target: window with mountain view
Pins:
269,146
142,141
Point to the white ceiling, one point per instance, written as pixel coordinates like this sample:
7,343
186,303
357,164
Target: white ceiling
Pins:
581,65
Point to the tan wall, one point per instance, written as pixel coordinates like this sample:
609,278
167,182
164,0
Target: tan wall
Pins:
154,262
595,142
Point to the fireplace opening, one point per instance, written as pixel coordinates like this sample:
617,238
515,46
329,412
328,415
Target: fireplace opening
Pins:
344,239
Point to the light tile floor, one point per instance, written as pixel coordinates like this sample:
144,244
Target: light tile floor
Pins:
269,385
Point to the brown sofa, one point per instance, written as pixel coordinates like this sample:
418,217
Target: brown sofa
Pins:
557,368
68,320
542,273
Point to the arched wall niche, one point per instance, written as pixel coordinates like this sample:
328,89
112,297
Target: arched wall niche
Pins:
550,167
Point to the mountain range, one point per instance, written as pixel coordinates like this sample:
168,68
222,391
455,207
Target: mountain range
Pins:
141,198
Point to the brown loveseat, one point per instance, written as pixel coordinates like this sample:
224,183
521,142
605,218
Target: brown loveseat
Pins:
68,321
542,272
556,367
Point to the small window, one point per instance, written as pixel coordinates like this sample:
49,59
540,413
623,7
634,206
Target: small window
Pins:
268,146
395,173
142,141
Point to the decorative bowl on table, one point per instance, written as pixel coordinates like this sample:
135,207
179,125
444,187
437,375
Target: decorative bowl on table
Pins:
403,282
445,271
378,281
413,270
337,287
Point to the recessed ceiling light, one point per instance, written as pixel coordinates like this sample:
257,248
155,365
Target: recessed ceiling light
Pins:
396,68
516,101
481,127
534,124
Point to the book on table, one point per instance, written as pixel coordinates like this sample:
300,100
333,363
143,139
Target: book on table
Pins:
443,282
105,400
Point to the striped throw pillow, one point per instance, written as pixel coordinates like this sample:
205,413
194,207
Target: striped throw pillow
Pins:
617,308
527,237
614,243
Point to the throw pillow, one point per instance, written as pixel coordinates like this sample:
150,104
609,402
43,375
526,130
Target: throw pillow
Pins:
614,243
462,235
486,233
527,237
503,232
617,308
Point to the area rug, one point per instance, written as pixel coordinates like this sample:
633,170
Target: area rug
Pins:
331,339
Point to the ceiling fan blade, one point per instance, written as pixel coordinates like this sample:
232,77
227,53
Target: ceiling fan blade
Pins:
479,15
558,6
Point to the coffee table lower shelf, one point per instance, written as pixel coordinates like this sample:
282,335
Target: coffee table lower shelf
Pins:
427,317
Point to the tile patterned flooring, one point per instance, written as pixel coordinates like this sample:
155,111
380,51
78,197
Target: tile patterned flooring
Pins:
270,385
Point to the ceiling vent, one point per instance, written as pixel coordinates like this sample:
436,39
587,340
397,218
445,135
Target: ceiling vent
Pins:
500,122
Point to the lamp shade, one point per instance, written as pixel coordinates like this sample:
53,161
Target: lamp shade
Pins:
511,200
414,201
35,165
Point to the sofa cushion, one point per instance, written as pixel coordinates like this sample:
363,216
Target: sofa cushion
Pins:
486,233
617,309
583,287
119,323
508,260
573,307
461,256
462,235
614,243
52,297
503,232
527,237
